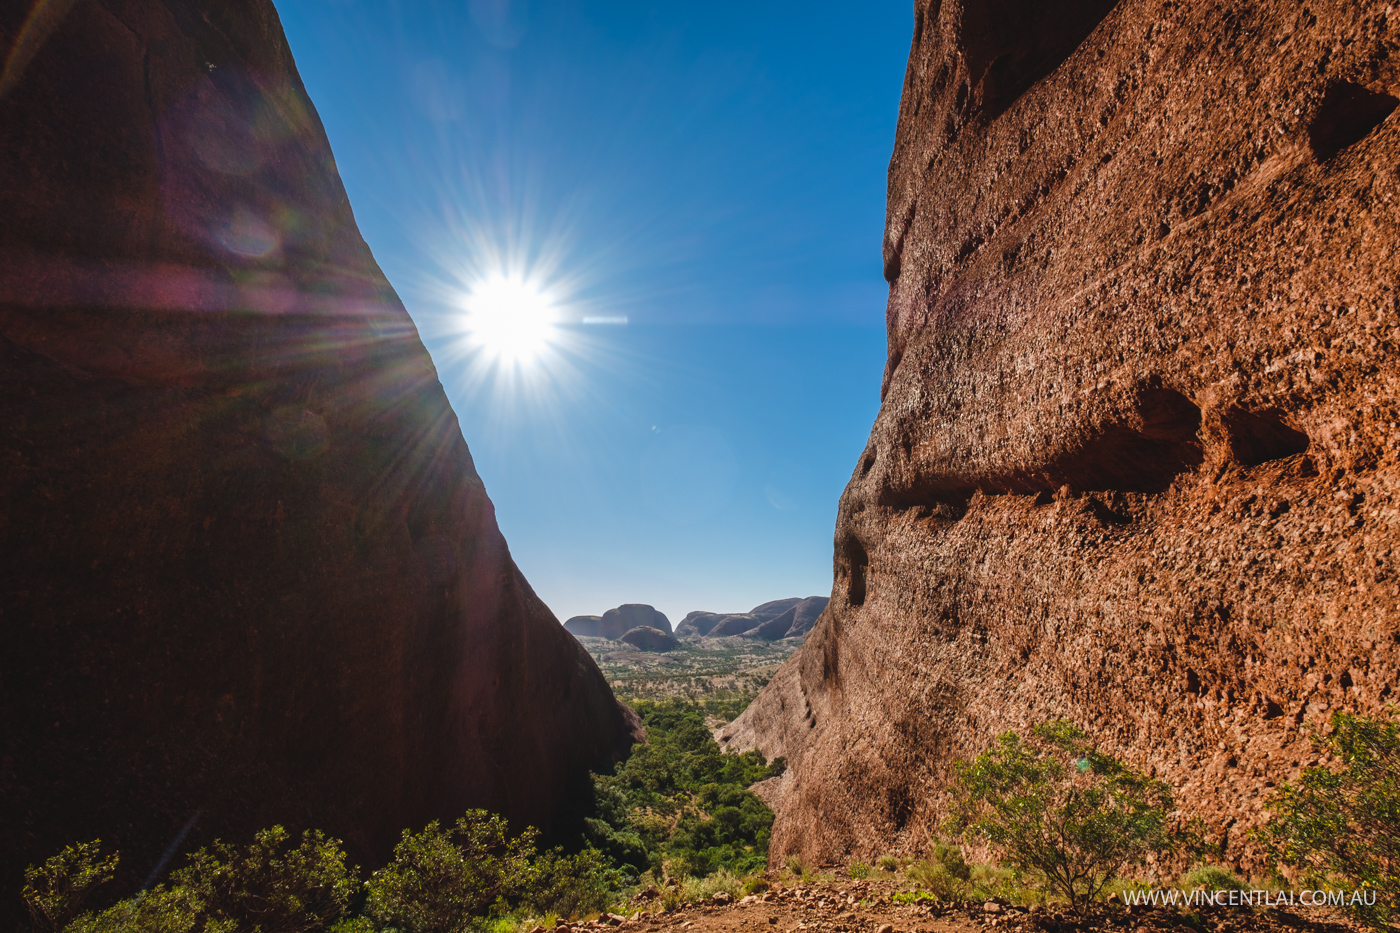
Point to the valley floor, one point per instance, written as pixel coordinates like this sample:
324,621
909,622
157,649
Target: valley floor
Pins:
851,906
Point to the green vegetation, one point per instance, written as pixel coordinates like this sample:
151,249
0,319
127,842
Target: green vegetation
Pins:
439,881
695,672
1212,878
679,805
1340,824
677,809
56,891
944,875
1058,810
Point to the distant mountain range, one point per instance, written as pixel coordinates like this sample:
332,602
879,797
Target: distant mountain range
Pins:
650,630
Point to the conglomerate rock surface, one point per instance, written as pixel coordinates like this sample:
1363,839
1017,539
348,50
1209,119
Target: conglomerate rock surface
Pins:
250,575
1135,463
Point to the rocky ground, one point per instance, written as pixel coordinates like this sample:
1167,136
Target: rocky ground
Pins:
867,906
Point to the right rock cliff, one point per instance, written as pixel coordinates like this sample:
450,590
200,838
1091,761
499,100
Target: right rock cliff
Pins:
1135,461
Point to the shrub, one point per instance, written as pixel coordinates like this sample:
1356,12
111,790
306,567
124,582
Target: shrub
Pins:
945,875
55,892
447,881
159,910
1212,878
271,886
1342,823
1061,811
572,885
887,863
858,869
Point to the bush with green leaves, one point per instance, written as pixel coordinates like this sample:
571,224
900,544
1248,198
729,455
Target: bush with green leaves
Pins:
55,891
573,885
449,880
1055,808
945,874
1339,824
439,881
274,885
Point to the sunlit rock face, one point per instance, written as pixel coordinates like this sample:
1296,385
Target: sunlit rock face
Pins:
250,573
1135,463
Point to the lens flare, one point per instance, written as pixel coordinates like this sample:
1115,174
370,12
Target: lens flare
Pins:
510,319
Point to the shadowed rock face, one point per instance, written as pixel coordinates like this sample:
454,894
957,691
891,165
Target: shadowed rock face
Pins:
1134,464
251,575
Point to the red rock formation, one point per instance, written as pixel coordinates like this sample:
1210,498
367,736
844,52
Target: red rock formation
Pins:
646,638
250,573
617,622
1135,462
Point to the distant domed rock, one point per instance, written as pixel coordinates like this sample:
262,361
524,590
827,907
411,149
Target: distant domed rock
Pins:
647,638
585,626
619,621
736,624
775,628
771,610
796,621
770,621
698,623
805,613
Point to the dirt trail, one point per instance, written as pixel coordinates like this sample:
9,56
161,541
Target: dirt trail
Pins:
848,906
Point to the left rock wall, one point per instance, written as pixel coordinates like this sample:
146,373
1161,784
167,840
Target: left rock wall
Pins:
250,574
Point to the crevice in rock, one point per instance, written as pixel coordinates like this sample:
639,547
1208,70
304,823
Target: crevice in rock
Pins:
857,566
1348,114
1009,45
1255,438
1143,451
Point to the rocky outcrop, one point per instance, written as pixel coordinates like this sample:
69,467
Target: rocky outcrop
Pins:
698,624
617,622
585,626
805,615
781,618
646,638
735,624
774,608
1134,463
250,573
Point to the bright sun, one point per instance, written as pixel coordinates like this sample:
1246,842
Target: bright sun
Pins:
510,319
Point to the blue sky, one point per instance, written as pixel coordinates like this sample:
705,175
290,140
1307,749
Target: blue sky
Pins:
714,174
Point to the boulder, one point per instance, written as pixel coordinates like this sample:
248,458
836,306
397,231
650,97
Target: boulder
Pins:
646,638
251,574
1134,464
